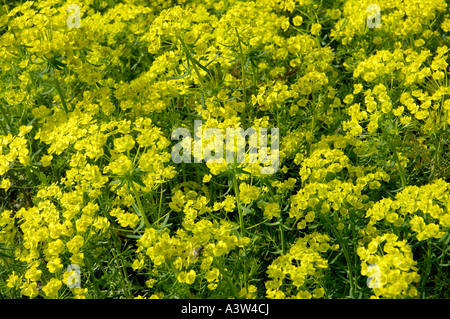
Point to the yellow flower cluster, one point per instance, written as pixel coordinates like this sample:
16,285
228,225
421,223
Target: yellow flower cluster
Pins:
87,179
303,261
47,240
202,239
424,209
398,18
396,273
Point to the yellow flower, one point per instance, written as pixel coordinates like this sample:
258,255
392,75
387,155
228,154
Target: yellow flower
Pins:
128,220
248,193
80,293
315,28
285,24
124,143
272,210
212,275
335,14
77,258
229,203
310,217
52,287
83,222
13,280
304,294
190,277
151,282
101,223
220,249
120,165
249,293
446,25
206,178
137,264
75,244
297,20
55,247
212,286
181,277
23,130
348,99
46,160
419,42
5,184
318,292
30,289
33,274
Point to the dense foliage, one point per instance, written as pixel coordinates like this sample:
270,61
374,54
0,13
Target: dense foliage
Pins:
93,206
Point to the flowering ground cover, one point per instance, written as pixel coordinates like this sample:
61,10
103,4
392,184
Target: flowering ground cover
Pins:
95,202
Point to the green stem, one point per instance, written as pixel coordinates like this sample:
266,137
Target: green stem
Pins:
400,168
194,65
428,269
139,204
127,281
5,116
61,95
241,215
445,120
241,226
283,247
244,84
3,128
160,202
436,155
94,280
346,253
225,275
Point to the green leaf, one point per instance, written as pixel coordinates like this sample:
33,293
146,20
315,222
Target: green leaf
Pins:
141,225
138,181
217,55
165,221
134,236
136,209
181,76
198,63
272,224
